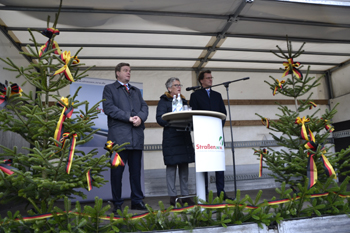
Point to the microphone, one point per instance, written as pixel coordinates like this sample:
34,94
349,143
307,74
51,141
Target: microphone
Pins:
192,88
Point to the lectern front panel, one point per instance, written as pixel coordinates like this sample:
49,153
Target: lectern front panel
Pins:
208,143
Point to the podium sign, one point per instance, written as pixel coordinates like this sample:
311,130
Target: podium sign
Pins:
209,144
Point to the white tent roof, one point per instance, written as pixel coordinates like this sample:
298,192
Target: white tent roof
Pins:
230,35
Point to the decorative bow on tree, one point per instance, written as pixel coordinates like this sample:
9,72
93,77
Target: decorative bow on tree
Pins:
290,65
302,121
49,32
312,104
328,127
278,85
15,89
6,167
311,165
115,159
66,58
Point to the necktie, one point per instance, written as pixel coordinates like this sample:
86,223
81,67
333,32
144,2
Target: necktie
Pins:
208,91
126,88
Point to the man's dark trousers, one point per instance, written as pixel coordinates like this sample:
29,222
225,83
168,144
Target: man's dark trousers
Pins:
133,158
220,182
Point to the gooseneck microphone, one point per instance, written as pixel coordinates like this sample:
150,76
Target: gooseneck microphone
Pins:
192,88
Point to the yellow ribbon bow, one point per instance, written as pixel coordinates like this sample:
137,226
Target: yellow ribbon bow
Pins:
302,121
66,58
292,65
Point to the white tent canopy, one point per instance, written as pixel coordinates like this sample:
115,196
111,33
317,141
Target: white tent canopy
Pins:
187,35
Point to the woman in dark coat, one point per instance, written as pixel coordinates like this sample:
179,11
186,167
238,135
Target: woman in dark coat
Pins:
177,146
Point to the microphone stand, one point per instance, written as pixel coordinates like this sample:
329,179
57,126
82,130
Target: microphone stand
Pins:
226,84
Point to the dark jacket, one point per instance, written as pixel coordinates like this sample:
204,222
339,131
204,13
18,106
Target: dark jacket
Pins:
201,101
177,145
119,106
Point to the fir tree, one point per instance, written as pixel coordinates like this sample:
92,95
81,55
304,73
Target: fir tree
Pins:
52,169
305,153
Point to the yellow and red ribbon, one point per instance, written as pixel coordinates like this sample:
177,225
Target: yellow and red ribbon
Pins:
312,104
261,153
265,122
3,97
6,167
89,179
71,150
176,210
49,32
66,113
45,47
3,100
328,127
302,121
278,85
290,65
311,166
15,89
66,58
115,158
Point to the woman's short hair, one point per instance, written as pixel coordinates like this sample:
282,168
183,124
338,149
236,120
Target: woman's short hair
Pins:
170,81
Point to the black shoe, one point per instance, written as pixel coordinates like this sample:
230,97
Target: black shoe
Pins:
228,198
116,208
189,201
173,199
138,206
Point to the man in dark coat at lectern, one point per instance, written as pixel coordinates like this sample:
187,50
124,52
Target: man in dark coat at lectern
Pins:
207,99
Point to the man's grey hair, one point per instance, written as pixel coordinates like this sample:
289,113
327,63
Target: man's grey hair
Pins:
170,81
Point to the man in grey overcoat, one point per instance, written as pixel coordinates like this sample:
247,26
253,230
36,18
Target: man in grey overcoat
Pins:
127,112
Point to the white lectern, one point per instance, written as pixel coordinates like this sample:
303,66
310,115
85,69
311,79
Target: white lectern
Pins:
208,141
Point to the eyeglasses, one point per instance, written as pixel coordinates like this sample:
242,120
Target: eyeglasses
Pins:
209,78
177,85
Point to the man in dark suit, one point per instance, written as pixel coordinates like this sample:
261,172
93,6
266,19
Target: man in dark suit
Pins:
127,112
207,99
